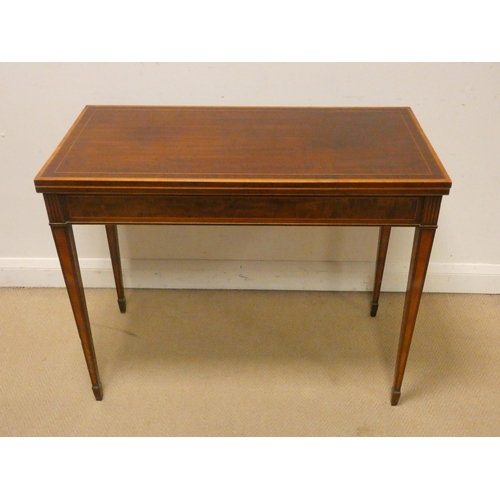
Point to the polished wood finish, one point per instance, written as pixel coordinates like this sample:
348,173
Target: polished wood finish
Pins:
163,150
243,209
383,244
209,165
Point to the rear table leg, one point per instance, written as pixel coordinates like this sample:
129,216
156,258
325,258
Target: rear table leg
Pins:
114,250
383,243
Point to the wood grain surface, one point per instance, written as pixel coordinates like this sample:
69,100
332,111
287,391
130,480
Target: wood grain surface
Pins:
140,147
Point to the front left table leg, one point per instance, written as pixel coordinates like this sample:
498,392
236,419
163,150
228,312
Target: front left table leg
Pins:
66,250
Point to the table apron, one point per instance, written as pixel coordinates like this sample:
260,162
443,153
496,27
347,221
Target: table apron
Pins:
236,209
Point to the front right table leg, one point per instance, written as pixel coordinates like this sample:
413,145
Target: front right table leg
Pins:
422,246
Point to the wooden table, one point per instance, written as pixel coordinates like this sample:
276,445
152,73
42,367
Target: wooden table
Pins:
223,165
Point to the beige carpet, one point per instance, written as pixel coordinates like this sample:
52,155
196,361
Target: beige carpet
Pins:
261,363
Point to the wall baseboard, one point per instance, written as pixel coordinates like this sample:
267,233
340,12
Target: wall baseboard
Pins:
252,275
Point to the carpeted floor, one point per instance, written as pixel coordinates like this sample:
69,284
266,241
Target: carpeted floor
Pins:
248,363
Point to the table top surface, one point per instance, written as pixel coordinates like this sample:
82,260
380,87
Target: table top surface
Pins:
145,147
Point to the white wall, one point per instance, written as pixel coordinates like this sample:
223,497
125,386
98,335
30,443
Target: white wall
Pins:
457,104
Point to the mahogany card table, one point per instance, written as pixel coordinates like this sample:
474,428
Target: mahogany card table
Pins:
244,165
